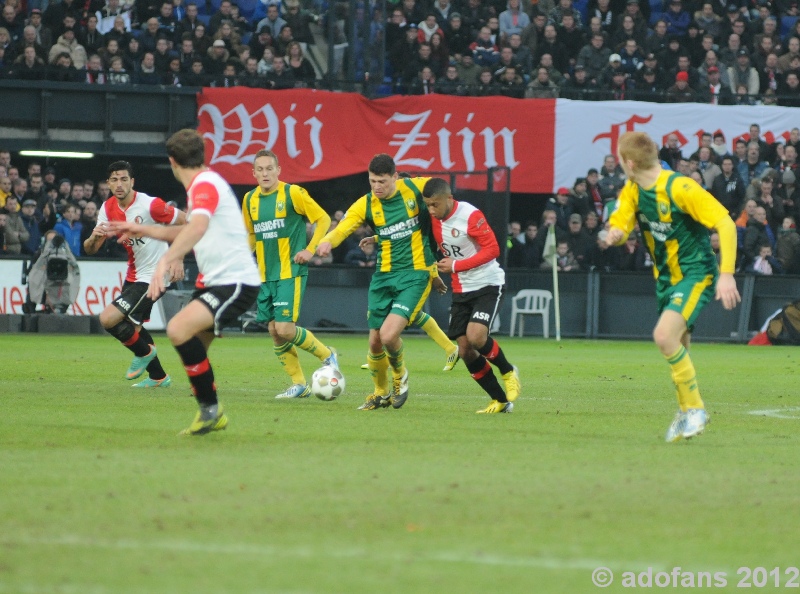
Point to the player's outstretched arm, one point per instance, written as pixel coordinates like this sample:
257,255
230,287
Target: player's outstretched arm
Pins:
170,266
127,229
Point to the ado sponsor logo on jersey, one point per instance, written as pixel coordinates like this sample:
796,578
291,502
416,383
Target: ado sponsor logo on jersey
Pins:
399,230
268,229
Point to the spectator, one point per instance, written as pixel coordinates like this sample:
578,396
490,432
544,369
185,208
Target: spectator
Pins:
250,77
167,23
594,57
150,35
280,77
611,179
147,74
189,21
117,75
458,38
512,20
578,240
16,235
677,18
62,69
229,76
787,250
425,82
33,221
422,59
542,87
67,44
560,204
90,38
44,37
764,262
486,85
217,58
132,56
484,51
728,187
226,33
93,73
202,42
451,84
300,20
162,56
272,21
301,69
753,166
265,63
579,196
120,32
88,222
427,27
706,167
468,70
681,92
715,92
29,39
741,73
578,86
28,66
565,259
69,227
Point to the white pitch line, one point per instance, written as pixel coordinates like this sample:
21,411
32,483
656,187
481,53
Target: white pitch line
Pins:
778,413
182,546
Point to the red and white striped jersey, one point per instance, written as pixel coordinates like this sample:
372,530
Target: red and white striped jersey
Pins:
466,237
144,253
223,253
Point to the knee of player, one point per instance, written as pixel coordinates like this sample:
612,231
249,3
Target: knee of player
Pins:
176,333
476,337
662,337
110,317
283,331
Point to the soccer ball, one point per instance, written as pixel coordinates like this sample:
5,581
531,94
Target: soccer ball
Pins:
327,383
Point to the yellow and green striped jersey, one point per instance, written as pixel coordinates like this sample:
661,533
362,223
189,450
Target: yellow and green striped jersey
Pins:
401,222
674,216
276,224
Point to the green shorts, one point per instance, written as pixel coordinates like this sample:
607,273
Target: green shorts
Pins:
687,297
280,300
403,293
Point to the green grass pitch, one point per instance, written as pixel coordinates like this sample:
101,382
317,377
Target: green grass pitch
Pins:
98,494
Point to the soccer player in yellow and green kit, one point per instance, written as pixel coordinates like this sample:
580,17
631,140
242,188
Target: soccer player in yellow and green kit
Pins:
674,215
275,215
402,280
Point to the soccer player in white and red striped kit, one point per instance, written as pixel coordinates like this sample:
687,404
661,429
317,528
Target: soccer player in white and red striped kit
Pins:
470,252
123,317
228,282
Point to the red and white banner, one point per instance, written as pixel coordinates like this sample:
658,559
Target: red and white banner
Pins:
587,132
320,135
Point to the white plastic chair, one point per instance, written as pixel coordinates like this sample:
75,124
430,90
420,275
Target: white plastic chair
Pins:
531,302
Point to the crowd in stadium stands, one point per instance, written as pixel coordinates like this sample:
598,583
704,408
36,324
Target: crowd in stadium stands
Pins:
33,203
717,51
712,51
758,184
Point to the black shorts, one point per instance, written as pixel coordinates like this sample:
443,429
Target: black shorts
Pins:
479,307
226,302
134,303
